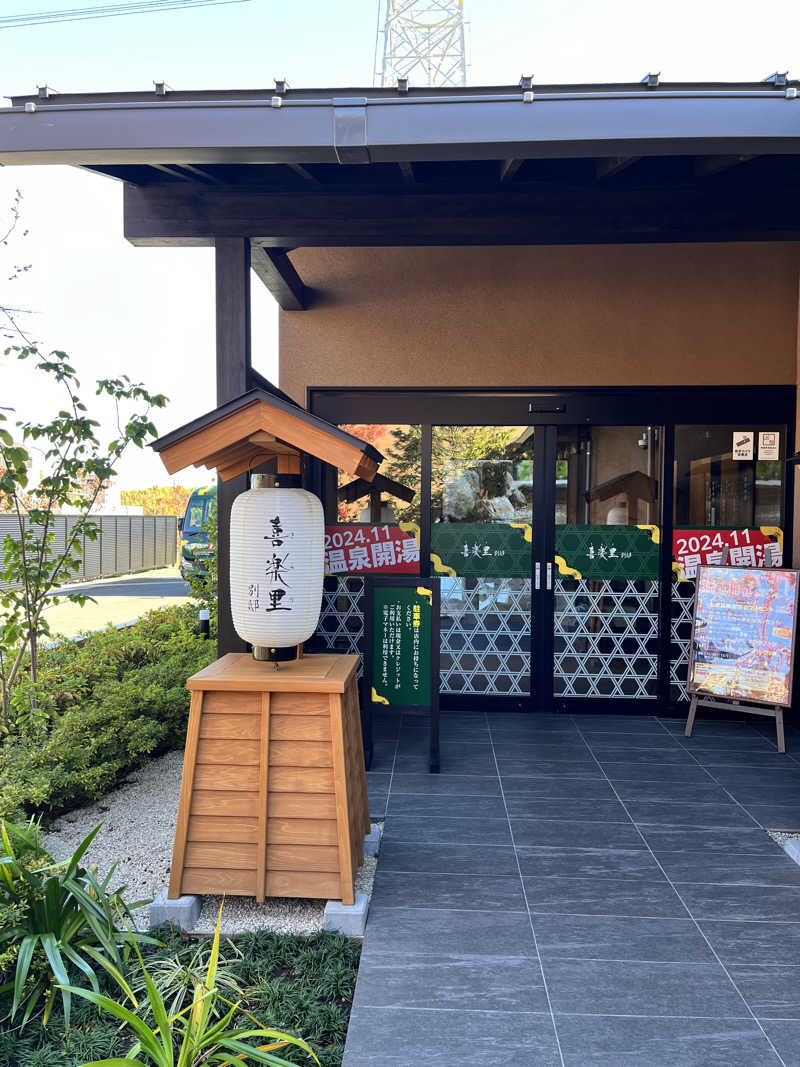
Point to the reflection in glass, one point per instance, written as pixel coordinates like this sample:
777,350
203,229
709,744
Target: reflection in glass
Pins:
483,475
402,447
606,590
713,490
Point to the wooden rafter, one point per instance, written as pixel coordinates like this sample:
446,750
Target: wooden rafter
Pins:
274,268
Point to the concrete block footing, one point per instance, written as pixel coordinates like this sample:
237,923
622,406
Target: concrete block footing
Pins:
792,848
348,919
183,912
372,841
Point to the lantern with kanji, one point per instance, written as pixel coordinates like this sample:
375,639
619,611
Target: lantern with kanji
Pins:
277,553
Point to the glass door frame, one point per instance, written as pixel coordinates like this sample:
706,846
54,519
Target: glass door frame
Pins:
664,406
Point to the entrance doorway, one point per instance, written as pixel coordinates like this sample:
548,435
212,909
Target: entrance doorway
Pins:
566,527
546,540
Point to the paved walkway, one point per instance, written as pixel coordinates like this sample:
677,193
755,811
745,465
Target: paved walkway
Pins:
117,600
581,890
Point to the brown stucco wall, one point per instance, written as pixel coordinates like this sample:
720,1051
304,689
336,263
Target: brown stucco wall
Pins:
536,316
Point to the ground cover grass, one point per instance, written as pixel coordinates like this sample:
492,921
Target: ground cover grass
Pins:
301,985
106,707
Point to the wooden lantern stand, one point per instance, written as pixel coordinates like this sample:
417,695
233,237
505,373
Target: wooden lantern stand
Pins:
274,796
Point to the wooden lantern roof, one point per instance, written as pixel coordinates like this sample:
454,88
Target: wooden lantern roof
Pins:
258,426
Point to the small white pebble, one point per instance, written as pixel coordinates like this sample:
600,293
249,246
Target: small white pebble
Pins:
138,826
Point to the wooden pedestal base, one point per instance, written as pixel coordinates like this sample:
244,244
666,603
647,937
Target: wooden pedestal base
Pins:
273,798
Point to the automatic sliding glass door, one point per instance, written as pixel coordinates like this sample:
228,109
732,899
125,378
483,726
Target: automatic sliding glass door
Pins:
482,515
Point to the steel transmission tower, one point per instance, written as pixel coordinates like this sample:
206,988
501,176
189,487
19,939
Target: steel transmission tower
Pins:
423,41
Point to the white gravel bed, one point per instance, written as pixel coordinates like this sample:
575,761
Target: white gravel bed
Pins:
280,915
782,836
139,823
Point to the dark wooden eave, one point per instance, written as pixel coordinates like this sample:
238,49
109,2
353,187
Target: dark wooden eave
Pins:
246,431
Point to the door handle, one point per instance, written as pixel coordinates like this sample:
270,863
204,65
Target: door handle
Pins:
537,572
549,575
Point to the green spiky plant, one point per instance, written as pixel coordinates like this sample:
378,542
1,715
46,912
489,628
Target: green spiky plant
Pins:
63,926
194,1036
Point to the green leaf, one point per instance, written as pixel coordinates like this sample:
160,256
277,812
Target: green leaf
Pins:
147,1038
24,957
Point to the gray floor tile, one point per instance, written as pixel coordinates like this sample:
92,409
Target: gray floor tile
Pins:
775,816
755,902
785,1036
606,937
724,839
544,749
444,859
377,804
598,724
579,834
591,809
467,983
700,814
744,755
435,931
779,793
730,869
773,992
607,987
665,793
466,1038
645,742
664,755
624,771
733,777
456,758
467,830
383,753
556,786
565,861
601,896
605,1041
481,892
533,765
422,806
378,780
754,942
450,784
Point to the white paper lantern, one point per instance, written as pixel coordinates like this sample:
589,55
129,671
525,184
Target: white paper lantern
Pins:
277,553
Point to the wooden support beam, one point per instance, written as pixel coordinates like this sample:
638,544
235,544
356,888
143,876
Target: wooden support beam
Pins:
514,213
706,166
275,270
607,168
232,268
508,168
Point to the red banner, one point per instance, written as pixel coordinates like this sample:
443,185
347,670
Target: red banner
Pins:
691,548
363,549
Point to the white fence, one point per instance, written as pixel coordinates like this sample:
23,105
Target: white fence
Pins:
125,543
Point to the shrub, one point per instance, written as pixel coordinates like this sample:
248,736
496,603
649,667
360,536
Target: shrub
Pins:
62,928
113,702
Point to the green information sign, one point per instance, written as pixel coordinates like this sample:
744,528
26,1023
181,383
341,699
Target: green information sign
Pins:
481,549
401,645
605,552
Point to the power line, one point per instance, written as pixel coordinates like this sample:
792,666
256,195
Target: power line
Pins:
103,11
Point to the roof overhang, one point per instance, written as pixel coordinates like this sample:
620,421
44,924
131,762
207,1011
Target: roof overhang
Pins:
365,126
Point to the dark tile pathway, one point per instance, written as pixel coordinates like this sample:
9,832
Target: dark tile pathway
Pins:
576,890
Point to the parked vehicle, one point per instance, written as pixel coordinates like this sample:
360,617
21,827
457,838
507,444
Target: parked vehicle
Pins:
195,548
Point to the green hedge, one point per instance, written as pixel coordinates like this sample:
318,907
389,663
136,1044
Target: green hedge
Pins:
115,702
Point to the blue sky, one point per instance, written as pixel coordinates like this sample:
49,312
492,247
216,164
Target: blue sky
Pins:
149,312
